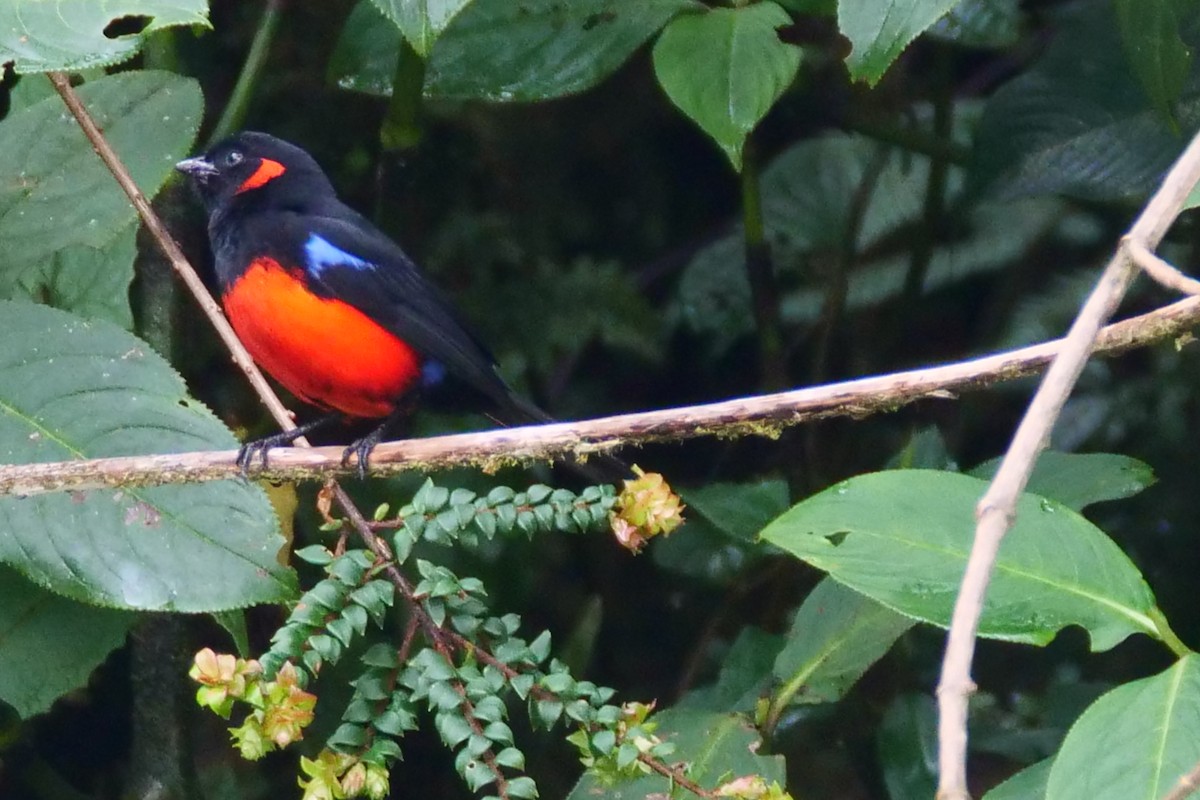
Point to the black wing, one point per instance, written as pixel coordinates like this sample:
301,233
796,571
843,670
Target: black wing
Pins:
347,258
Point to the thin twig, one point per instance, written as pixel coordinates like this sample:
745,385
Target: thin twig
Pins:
1158,269
178,261
997,509
762,415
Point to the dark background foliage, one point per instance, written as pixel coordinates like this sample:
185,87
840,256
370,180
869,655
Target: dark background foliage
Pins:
595,242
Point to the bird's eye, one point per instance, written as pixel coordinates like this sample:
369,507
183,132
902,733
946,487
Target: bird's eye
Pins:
233,158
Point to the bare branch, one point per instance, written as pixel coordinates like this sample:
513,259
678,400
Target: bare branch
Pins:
997,509
764,415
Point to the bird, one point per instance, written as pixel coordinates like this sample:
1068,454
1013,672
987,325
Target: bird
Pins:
331,307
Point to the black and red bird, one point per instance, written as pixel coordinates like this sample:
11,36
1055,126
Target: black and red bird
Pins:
326,303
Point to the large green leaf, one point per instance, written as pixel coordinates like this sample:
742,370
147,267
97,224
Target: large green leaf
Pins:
1079,123
1148,732
717,747
836,634
75,389
744,70
1077,480
902,538
1161,60
538,49
1028,784
45,35
421,21
879,30
89,281
49,644
55,192
367,51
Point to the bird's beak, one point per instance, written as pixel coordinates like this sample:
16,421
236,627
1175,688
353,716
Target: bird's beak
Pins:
197,168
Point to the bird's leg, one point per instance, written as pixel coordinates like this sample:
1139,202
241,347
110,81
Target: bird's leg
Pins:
362,448
259,447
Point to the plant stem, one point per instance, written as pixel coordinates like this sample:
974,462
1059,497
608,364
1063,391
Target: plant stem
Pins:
760,271
1168,636
239,99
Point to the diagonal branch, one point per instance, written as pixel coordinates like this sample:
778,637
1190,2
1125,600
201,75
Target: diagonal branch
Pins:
997,509
762,415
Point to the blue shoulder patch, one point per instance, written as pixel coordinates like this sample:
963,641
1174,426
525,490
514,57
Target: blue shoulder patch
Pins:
321,254
432,373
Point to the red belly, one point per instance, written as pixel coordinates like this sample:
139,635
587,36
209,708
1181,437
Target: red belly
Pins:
324,351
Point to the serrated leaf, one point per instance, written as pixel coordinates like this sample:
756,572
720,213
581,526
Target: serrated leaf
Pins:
715,745
902,538
1077,480
73,389
745,69
835,636
539,49
56,193
880,30
92,282
46,35
49,644
1148,732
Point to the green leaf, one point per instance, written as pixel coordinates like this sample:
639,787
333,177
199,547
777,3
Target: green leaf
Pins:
817,8
992,24
1147,732
421,22
739,510
717,747
1160,59
835,636
234,623
538,49
879,30
718,540
367,51
744,70
1078,122
907,743
73,389
89,281
56,193
1027,784
902,538
44,35
1077,480
49,644
745,670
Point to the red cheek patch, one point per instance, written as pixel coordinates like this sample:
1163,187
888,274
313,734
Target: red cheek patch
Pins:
268,170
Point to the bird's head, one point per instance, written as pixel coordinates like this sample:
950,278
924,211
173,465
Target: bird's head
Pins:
256,168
